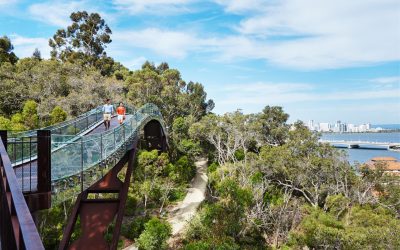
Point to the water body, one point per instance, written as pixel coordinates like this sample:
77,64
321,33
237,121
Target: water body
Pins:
363,155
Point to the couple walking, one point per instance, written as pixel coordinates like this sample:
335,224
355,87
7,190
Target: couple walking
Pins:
108,112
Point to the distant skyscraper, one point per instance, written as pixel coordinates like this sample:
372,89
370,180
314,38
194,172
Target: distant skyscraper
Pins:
311,125
324,127
337,126
350,128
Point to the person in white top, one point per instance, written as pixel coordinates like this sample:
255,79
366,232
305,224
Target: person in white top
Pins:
108,112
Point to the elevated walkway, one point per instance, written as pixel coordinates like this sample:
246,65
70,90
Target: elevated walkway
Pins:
78,157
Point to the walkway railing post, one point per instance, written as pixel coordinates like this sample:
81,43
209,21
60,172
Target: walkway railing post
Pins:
3,136
44,169
81,164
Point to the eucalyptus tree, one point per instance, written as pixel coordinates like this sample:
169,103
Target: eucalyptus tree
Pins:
274,125
6,51
84,41
228,134
166,88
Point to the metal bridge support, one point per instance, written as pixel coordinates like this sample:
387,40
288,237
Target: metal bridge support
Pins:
154,136
41,199
96,214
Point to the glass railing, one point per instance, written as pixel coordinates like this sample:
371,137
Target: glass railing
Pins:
22,145
78,164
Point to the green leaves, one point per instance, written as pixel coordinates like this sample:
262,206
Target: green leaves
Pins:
165,88
155,235
84,41
58,115
6,48
359,228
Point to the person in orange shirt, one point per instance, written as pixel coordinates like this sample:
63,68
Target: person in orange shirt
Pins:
121,113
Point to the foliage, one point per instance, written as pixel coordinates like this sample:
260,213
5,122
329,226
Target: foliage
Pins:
288,190
30,114
159,179
360,228
6,48
84,40
182,170
165,88
133,229
274,127
50,83
228,134
58,115
37,55
155,235
5,124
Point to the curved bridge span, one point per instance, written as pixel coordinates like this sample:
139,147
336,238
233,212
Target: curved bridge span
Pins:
73,159
363,144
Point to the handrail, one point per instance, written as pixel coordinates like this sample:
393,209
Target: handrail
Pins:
18,231
81,162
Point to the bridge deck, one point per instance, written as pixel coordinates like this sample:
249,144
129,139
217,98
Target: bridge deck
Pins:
27,172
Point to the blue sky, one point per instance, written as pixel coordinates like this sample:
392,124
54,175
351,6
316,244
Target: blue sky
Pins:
322,60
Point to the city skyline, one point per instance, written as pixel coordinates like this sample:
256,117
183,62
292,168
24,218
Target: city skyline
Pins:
312,58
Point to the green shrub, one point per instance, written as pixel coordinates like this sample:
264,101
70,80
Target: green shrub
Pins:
178,193
198,245
5,123
131,204
183,170
155,235
212,167
133,229
58,115
239,155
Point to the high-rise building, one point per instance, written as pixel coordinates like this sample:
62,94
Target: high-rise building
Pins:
337,126
324,127
343,127
311,125
351,128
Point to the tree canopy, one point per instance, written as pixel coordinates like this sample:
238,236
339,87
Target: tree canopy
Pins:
84,41
6,51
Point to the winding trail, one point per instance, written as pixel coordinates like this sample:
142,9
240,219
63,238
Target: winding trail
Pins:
186,209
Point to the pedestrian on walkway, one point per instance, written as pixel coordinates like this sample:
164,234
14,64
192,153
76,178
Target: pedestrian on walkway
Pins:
108,112
121,111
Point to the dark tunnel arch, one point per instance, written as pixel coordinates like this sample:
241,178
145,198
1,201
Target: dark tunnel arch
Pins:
154,136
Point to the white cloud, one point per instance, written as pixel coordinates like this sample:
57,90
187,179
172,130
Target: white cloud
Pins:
7,2
25,46
134,63
160,7
298,34
322,34
242,6
57,12
386,80
262,93
167,43
308,101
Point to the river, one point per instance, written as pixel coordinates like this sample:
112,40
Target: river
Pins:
363,155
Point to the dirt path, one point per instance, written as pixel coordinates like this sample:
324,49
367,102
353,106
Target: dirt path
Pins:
186,209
